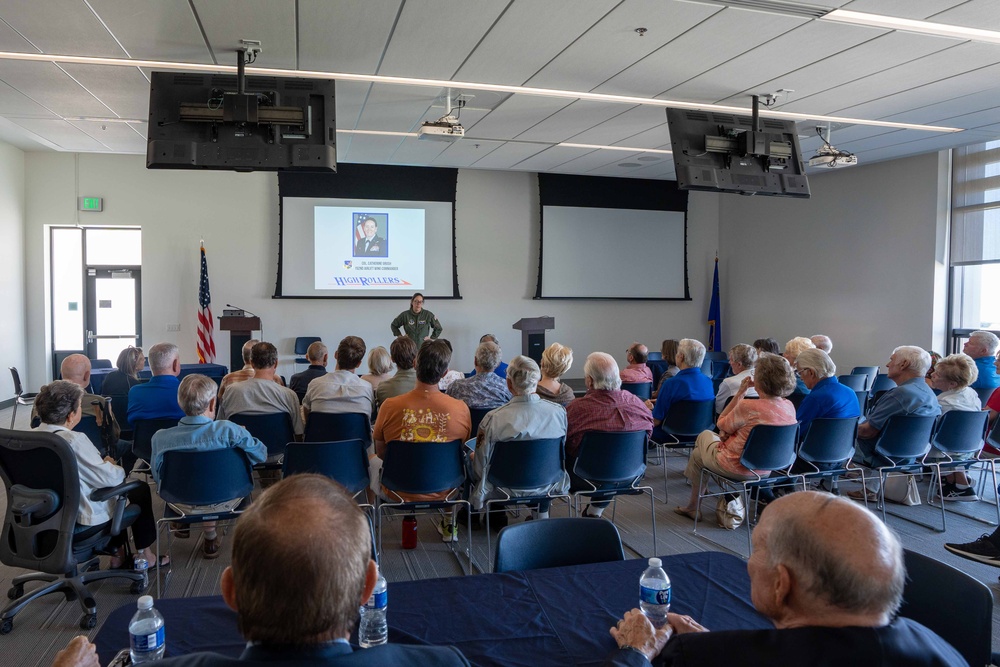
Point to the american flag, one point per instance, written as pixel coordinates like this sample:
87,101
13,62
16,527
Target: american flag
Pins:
206,345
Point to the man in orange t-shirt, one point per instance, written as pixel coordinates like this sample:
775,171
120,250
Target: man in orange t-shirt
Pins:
423,415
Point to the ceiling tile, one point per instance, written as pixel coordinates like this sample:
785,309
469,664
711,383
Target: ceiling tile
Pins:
60,26
117,137
50,87
508,154
344,36
465,153
904,9
124,89
271,22
62,134
572,120
515,115
13,103
154,30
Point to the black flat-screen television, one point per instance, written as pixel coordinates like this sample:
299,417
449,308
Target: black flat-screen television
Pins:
722,152
203,121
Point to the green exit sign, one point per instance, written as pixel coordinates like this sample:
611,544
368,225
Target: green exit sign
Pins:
91,203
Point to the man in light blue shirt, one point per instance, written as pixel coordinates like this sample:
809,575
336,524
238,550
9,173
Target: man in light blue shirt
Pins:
982,347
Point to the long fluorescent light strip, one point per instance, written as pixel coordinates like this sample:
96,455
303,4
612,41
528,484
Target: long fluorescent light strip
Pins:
445,83
911,25
615,148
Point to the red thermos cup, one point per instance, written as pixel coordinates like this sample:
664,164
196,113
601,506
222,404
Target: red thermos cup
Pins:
410,532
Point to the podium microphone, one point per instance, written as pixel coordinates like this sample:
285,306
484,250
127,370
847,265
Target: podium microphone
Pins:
229,305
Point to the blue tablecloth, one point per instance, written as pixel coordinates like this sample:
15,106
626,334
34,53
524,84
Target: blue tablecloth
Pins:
214,371
540,617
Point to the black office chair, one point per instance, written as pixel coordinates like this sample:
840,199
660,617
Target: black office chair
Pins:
643,390
302,344
557,543
331,427
42,480
20,397
953,604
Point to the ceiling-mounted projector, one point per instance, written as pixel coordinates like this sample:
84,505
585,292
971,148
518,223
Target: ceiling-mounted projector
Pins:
446,128
828,155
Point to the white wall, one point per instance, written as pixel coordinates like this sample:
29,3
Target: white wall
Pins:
861,261
237,215
13,325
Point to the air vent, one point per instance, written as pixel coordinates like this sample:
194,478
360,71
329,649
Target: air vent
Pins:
799,9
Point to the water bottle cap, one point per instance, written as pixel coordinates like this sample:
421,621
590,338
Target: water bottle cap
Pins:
655,562
146,602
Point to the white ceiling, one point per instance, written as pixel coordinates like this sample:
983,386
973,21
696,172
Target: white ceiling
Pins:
692,51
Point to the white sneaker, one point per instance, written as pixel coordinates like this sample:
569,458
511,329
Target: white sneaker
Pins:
448,530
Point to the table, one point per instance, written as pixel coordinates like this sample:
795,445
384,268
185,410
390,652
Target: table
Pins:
214,371
538,617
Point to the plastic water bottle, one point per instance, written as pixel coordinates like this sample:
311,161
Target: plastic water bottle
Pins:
374,629
141,566
654,593
146,634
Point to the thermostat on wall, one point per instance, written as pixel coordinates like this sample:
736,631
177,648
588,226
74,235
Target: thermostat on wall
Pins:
90,203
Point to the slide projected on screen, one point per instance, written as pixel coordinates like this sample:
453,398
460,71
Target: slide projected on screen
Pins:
371,249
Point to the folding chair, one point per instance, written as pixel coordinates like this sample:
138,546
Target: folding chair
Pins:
901,448
683,423
827,448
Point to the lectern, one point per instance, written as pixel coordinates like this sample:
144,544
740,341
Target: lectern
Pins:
240,331
533,335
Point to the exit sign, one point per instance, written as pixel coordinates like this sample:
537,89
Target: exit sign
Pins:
91,203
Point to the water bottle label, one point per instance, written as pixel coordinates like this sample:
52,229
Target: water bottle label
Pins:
379,600
149,642
654,596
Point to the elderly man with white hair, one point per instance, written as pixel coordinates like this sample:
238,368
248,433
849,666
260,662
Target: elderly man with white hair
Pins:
485,389
689,384
982,346
525,417
822,343
907,367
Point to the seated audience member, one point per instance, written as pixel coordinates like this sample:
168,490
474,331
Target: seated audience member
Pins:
742,358
485,389
689,384
637,370
525,417
827,399
452,374
198,432
994,401
768,345
342,390
935,357
556,362
501,368
244,373
668,351
982,346
720,453
952,376
59,406
402,351
793,348
157,399
260,394
829,575
822,343
379,367
605,407
317,355
302,567
126,374
907,367
424,414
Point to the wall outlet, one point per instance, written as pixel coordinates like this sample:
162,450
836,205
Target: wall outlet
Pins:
173,327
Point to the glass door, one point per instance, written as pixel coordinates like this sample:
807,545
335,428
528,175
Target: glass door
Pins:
113,310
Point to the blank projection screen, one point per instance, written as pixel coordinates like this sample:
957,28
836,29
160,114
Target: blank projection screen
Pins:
612,253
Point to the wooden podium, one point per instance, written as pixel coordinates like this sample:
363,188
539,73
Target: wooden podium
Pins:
240,331
533,335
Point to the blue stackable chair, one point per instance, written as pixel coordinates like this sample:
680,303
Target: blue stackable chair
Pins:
142,442
523,464
854,382
881,385
827,447
984,394
538,544
643,390
958,438
424,468
344,461
612,464
477,415
870,372
88,426
683,423
302,344
862,401
274,429
901,448
330,427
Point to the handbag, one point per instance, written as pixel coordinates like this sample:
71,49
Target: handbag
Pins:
730,512
902,490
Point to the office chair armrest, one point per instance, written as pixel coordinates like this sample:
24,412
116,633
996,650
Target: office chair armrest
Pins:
120,491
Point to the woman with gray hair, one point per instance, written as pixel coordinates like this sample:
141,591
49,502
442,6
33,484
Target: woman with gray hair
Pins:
952,377
556,361
379,366
59,406
742,358
827,398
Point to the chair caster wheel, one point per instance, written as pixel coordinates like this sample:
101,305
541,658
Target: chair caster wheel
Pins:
14,592
6,626
88,621
138,587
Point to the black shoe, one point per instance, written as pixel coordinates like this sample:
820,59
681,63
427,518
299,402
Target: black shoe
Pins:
981,550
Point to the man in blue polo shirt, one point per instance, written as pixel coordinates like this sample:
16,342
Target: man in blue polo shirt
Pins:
157,399
827,398
982,347
689,384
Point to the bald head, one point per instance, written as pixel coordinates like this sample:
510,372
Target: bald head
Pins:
76,369
637,353
843,566
822,342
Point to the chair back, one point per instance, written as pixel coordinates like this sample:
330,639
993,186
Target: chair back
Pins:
994,437
88,426
643,390
882,384
770,447
984,393
720,369
870,372
41,477
423,467
302,343
101,363
143,430
855,382
205,477
689,418
658,367
119,408
829,440
611,457
274,429
556,543
16,378
331,427
344,461
717,355
527,464
956,606
862,400
654,356
961,431
477,415
905,437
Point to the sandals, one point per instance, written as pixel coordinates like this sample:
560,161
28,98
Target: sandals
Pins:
691,514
